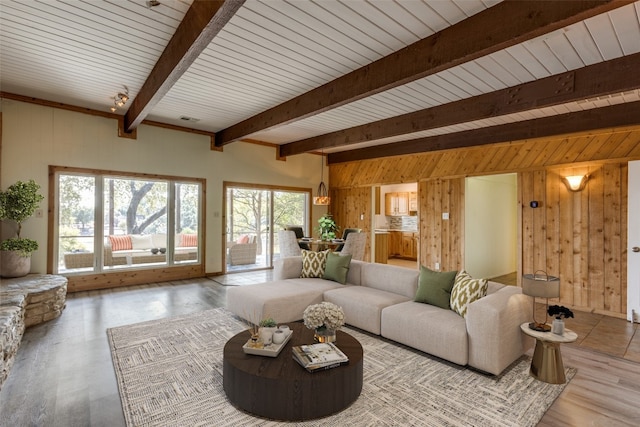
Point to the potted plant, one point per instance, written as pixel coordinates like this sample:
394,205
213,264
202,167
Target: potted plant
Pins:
267,328
327,227
17,204
560,313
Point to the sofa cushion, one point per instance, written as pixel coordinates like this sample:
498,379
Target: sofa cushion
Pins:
141,241
313,263
337,267
466,290
399,280
284,300
427,328
363,305
120,243
243,239
434,287
159,240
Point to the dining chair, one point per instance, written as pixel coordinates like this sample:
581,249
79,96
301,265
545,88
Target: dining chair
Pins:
355,245
299,235
288,244
345,233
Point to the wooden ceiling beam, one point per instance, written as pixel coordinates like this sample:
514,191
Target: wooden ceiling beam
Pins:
499,27
202,22
605,78
619,115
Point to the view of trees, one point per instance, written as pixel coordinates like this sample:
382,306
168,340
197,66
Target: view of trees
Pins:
249,210
131,206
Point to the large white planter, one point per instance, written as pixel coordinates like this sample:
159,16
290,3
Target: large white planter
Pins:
13,264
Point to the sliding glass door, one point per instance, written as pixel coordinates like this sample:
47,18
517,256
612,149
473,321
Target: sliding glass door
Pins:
254,214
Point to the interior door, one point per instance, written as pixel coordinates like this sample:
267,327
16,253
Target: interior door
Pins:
633,254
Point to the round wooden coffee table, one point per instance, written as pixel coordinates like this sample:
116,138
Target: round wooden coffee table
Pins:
279,388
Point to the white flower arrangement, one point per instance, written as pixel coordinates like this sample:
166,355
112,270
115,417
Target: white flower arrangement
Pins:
325,314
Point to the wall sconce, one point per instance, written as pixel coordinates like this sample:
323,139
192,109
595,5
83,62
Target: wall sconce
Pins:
575,182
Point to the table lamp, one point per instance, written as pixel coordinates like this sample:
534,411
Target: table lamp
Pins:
541,286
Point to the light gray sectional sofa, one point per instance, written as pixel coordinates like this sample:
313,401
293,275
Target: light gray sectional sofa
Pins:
379,298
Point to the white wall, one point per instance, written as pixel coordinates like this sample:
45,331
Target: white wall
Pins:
490,237
34,137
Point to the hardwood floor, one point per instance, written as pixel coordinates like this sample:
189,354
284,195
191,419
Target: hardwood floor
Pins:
63,375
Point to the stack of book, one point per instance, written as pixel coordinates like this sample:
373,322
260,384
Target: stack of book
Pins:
318,357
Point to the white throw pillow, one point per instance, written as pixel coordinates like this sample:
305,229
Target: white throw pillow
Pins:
159,240
140,241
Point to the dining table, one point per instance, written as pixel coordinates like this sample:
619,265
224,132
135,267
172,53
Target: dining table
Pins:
321,245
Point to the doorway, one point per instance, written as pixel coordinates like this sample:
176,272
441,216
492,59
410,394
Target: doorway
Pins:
633,254
253,216
491,225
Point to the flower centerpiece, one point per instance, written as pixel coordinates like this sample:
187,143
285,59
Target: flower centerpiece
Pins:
560,313
325,318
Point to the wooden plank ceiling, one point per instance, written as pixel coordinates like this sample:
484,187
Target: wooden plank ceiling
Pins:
355,79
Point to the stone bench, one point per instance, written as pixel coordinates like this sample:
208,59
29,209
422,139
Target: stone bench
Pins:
26,301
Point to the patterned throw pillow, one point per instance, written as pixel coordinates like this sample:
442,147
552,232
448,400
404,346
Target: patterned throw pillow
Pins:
313,263
121,243
189,241
465,291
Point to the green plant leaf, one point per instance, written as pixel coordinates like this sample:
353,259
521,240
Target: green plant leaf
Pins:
25,246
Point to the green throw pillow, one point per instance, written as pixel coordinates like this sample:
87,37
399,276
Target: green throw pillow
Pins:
337,267
435,287
465,291
313,263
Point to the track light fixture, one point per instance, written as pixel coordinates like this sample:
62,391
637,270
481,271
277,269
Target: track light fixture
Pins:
120,100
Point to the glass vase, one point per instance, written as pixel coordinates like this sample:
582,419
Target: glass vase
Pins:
324,335
557,327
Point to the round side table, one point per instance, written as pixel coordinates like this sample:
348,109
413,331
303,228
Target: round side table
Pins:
546,364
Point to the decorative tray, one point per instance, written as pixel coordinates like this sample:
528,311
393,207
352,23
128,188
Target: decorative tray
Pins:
271,350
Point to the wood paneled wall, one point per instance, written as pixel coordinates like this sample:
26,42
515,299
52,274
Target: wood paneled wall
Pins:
347,206
580,237
613,145
441,240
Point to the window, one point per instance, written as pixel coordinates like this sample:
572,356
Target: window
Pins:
108,222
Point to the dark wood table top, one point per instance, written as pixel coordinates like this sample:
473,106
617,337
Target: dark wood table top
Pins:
279,388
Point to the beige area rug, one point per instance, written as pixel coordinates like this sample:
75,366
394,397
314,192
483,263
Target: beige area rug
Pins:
169,373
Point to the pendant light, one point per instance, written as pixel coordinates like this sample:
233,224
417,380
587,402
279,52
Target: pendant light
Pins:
322,198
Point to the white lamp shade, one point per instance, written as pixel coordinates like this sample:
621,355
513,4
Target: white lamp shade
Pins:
541,286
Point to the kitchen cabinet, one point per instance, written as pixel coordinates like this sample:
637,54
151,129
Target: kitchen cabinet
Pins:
403,244
396,204
395,243
382,248
413,201
410,245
